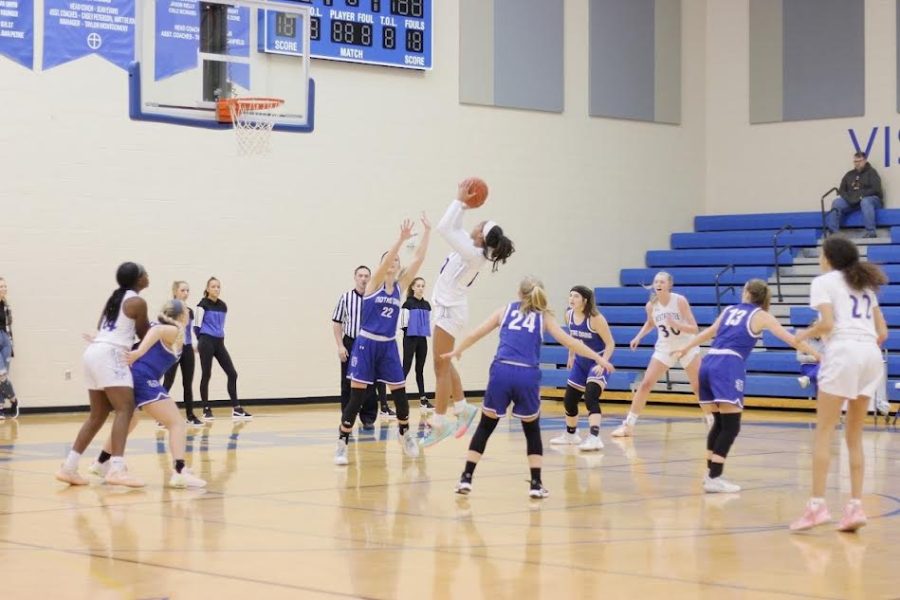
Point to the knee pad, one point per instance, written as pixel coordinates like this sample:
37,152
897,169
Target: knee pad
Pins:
731,426
484,430
532,430
592,393
570,401
351,411
714,431
401,403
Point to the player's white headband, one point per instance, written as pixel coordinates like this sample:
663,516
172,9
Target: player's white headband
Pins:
488,225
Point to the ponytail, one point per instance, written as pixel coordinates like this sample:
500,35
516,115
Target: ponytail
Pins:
497,247
127,276
843,256
759,293
534,298
169,314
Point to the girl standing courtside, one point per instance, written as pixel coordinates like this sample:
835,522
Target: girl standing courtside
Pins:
211,313
515,376
7,393
415,321
180,291
723,373
670,314
375,356
450,305
108,377
156,354
585,377
851,369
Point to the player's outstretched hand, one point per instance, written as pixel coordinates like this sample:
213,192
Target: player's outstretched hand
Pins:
406,229
426,224
451,355
463,193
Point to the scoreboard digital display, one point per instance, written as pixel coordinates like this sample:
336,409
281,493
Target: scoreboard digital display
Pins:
395,33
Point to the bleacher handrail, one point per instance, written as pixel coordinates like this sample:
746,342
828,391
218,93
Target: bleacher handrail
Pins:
778,253
724,270
822,210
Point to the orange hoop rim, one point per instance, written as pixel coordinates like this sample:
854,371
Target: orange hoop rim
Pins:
235,106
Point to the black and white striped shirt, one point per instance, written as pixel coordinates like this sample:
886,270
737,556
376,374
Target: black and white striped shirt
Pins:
348,312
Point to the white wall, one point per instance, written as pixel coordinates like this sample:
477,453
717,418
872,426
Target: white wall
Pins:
788,166
84,188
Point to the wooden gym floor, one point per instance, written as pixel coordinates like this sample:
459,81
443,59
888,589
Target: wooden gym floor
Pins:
280,521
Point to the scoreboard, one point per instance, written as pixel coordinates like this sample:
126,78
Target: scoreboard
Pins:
395,33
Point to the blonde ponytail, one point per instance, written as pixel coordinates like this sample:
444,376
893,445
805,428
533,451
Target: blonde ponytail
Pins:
169,315
534,298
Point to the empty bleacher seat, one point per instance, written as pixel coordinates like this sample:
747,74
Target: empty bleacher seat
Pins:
719,256
698,275
744,239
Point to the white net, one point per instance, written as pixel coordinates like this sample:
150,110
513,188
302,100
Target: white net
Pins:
253,120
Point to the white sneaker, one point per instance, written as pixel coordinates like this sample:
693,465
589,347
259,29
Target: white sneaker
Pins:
566,439
720,486
99,469
623,430
70,476
340,454
803,381
463,487
410,444
123,478
186,479
540,492
591,443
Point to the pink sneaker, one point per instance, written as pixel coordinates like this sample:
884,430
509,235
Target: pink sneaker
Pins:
72,477
853,519
812,516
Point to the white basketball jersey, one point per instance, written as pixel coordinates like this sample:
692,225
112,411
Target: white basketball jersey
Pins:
122,332
853,310
461,267
669,339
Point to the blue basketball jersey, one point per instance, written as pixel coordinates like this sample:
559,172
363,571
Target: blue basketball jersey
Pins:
155,362
587,335
734,330
381,311
521,335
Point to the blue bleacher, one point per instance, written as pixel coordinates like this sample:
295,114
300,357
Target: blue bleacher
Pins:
744,239
695,295
887,217
695,258
719,256
699,275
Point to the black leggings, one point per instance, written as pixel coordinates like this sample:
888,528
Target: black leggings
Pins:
415,346
210,347
187,378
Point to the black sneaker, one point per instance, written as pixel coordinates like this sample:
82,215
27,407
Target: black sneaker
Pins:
193,420
207,414
424,404
240,413
13,411
387,413
538,491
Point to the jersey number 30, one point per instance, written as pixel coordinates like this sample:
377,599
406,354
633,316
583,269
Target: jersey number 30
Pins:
520,321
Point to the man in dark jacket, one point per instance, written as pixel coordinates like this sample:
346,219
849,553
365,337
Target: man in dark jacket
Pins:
860,190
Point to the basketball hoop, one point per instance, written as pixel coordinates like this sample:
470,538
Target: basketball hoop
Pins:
253,119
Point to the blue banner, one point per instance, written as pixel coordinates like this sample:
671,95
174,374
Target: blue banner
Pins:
74,29
17,31
239,45
177,37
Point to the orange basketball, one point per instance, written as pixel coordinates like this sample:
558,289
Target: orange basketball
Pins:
479,188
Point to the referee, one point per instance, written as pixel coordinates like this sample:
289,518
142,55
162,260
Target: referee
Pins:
345,323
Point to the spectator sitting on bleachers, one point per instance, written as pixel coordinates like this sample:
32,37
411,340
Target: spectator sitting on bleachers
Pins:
860,189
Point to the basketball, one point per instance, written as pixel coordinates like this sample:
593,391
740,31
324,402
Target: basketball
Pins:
478,187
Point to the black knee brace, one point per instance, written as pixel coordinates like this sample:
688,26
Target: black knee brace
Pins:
486,427
714,431
401,403
570,401
731,426
592,393
351,411
532,430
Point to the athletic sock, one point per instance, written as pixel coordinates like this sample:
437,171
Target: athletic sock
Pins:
715,469
631,419
536,477
72,459
179,466
595,430
459,406
469,470
104,456
571,430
